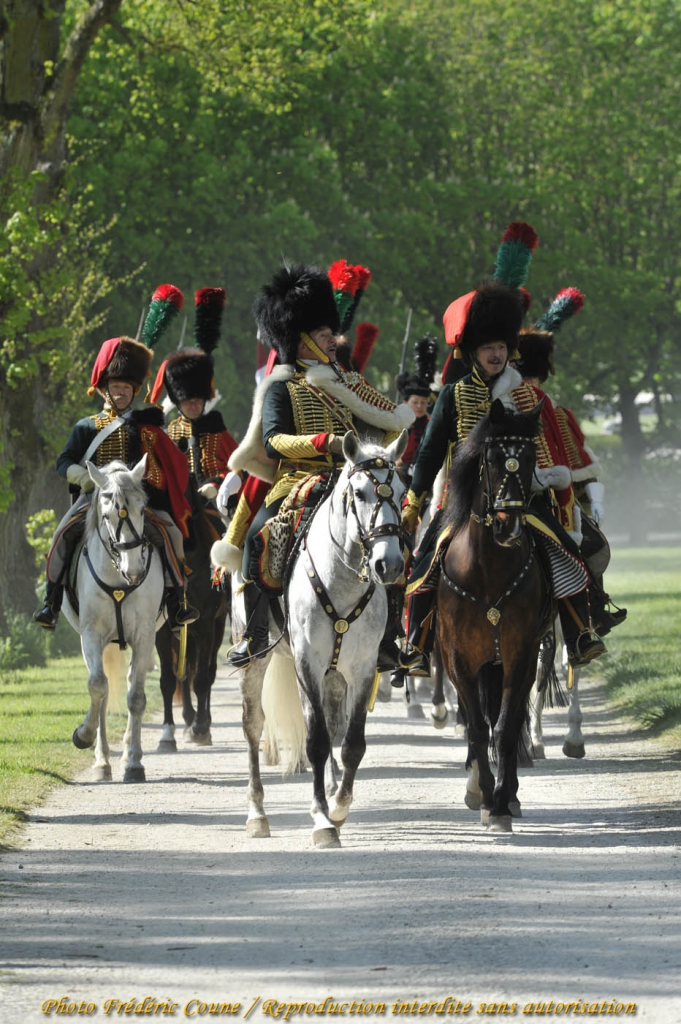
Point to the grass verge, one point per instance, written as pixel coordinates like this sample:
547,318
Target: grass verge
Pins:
39,709
643,671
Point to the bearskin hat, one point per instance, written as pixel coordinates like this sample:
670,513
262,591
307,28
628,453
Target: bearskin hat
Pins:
493,312
121,359
410,384
535,348
298,299
189,374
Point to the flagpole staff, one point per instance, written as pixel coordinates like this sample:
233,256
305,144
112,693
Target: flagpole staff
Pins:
404,349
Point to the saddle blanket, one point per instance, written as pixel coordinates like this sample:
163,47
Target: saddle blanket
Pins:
276,539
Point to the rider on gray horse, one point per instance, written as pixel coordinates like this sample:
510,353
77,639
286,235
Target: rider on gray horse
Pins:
120,432
301,412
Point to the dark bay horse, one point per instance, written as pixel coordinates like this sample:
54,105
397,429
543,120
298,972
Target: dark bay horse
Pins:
494,602
203,637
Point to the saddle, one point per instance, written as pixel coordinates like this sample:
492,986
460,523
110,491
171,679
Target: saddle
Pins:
275,541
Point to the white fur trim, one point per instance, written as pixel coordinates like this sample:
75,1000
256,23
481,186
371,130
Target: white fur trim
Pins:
509,380
553,476
590,472
226,555
251,454
323,377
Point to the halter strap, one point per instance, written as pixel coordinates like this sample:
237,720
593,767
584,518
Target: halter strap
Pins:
117,594
340,625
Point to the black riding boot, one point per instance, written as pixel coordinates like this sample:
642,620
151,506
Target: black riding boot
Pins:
421,635
48,615
583,644
389,653
604,612
256,638
179,614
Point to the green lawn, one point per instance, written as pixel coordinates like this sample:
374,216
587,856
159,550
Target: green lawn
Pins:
643,670
39,709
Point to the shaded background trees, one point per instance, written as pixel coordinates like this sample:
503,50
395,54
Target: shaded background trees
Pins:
207,140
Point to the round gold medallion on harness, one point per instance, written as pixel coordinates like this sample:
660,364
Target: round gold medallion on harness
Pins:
512,465
494,615
384,491
341,625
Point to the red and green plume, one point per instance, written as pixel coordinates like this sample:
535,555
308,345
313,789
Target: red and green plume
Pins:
209,307
514,255
566,303
166,303
365,338
349,284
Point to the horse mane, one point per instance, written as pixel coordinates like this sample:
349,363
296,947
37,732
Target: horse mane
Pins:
122,487
465,472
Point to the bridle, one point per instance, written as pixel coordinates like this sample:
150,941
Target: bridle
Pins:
384,496
502,500
115,545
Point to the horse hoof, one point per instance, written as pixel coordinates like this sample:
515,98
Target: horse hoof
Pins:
326,839
473,801
514,808
167,747
538,752
439,716
384,696
415,711
101,773
199,739
78,742
134,775
484,815
258,828
500,823
569,749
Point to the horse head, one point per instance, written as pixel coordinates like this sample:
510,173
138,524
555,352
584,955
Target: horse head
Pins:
118,509
507,463
372,499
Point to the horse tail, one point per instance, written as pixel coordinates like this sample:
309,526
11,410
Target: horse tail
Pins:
554,696
285,731
115,664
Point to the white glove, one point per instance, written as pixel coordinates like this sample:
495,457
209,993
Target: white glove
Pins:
594,492
229,486
209,491
79,477
576,534
554,476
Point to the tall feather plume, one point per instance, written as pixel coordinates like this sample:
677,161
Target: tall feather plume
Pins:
514,255
363,275
349,284
425,358
567,303
209,307
365,338
166,303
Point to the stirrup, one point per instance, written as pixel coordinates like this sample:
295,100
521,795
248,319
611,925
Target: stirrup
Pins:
184,616
389,655
587,647
249,649
46,617
416,662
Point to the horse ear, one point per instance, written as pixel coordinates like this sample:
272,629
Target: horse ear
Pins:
350,446
537,409
137,473
498,411
397,448
98,478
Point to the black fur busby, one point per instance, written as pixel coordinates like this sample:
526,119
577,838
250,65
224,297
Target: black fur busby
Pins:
298,299
410,384
425,357
535,348
189,374
495,314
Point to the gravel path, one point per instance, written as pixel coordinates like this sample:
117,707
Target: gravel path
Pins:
126,892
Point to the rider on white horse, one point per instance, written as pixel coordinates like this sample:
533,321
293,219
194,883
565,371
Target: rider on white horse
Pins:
122,433
301,412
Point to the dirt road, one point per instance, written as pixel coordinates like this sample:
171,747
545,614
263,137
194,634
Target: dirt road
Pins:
126,892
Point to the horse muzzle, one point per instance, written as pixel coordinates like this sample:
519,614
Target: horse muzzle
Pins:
507,527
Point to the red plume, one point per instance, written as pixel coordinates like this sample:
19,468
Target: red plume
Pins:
520,231
365,337
343,277
169,293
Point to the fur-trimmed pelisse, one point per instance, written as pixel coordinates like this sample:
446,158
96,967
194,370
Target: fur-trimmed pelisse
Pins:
536,354
129,361
495,314
409,384
298,299
189,374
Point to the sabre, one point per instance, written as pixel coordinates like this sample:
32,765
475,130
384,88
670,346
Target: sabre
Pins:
404,350
140,325
184,328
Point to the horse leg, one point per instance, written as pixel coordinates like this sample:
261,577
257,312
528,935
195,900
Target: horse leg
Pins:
191,662
98,686
253,720
536,731
574,741
133,769
204,642
414,709
507,732
164,647
438,711
333,690
352,752
318,749
480,784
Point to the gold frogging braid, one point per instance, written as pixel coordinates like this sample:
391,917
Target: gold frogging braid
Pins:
115,446
210,464
182,427
312,416
472,403
294,446
154,474
356,383
574,459
525,398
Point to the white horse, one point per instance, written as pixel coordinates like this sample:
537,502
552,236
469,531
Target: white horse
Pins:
573,745
338,610
119,592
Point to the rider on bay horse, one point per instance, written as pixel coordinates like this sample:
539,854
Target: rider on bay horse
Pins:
120,432
482,326
301,412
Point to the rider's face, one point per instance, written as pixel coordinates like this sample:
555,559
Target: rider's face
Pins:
419,403
492,357
325,339
192,408
121,392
